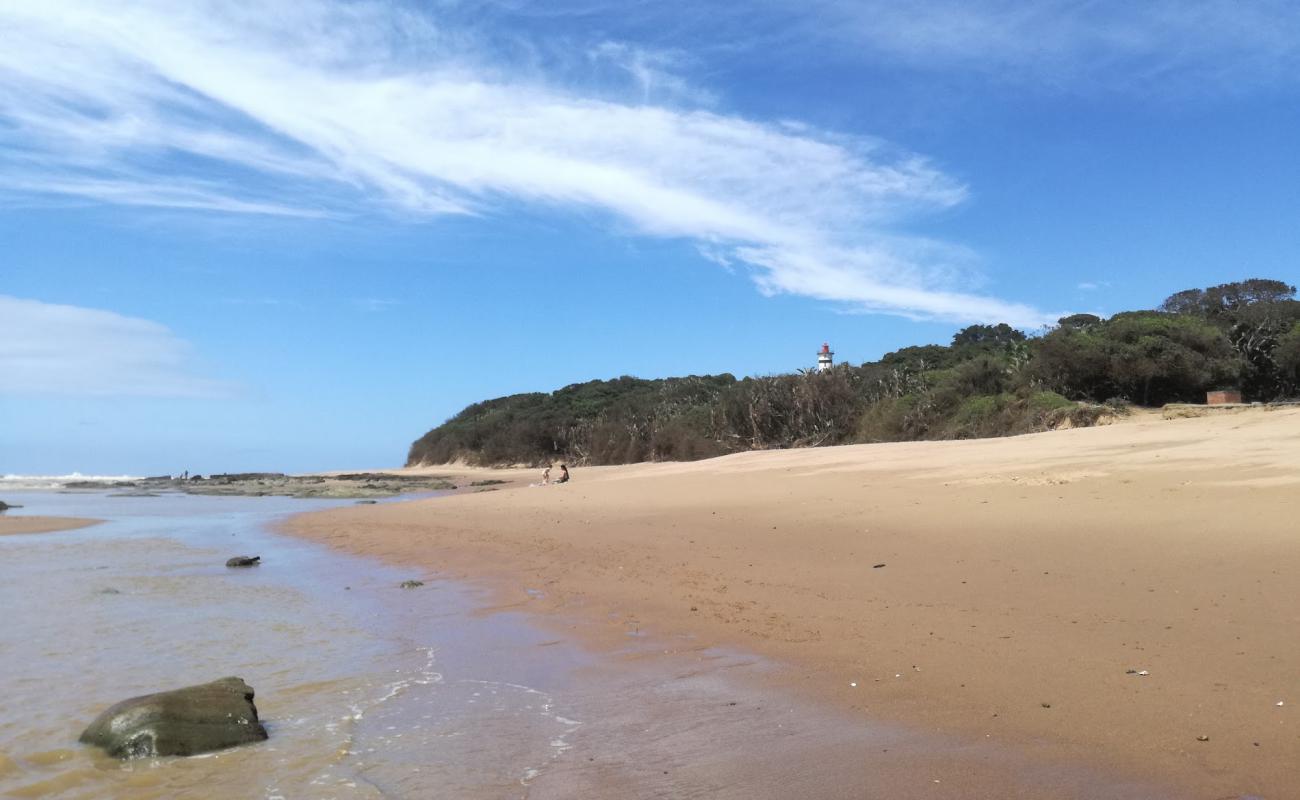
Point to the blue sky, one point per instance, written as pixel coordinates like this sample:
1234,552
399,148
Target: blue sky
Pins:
297,237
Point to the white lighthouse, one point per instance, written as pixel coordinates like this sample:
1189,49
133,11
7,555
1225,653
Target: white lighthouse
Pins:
824,357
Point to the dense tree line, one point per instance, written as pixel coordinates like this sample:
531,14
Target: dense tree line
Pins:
991,380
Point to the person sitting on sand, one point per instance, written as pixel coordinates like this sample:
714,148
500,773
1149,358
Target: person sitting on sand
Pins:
564,474
546,476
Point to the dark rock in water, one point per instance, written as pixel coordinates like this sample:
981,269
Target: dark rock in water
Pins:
99,485
237,477
366,502
109,590
244,561
410,584
183,722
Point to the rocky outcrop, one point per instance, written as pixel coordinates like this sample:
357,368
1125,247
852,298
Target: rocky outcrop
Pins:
244,561
264,484
182,722
351,485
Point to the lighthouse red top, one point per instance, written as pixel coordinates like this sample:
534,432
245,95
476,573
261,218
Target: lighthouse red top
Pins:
826,348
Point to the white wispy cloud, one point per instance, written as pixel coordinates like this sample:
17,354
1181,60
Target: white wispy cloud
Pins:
317,109
47,348
1154,47
654,73
1214,45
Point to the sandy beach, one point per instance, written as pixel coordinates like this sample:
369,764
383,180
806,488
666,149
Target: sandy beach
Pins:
1120,596
11,525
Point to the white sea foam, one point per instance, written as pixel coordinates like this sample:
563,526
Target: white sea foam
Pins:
28,482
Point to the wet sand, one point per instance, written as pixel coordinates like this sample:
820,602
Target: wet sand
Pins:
1009,591
11,525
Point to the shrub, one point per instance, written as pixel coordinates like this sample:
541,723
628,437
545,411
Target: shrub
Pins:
1043,402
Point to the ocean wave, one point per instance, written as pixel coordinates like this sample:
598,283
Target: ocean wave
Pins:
13,482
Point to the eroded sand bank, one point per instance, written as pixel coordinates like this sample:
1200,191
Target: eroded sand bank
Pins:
1107,594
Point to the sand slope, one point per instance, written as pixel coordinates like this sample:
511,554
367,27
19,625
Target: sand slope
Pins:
1022,578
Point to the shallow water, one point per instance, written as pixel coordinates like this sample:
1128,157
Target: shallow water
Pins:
371,691
345,664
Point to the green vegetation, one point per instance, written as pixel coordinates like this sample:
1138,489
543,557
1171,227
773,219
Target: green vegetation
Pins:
992,380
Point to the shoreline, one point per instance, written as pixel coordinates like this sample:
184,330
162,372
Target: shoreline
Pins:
361,486
12,526
1022,579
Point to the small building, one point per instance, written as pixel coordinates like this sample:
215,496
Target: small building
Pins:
1222,397
825,358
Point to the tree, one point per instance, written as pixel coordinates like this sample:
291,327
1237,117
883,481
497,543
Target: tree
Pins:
920,357
1256,332
1228,298
1288,358
1079,322
1000,334
1150,357
1074,362
1254,314
1157,358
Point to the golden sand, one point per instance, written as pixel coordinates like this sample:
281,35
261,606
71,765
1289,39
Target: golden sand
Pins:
1111,594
